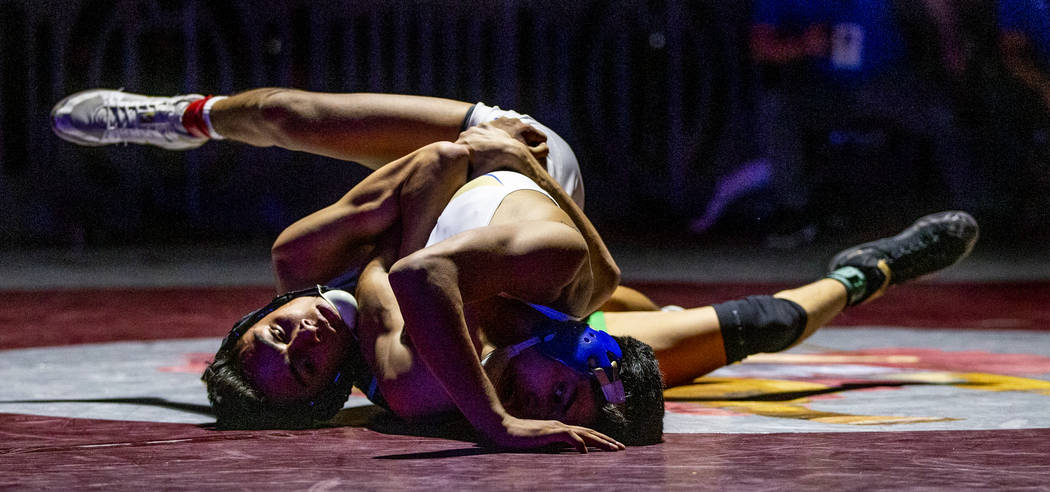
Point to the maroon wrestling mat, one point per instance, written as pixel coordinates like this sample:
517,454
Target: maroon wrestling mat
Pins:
371,452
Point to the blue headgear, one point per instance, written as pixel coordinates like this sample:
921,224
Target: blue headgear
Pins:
587,351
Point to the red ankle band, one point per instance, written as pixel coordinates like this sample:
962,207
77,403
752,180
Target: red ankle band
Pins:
193,118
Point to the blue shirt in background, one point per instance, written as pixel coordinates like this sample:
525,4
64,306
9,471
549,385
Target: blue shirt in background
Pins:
866,39
1032,18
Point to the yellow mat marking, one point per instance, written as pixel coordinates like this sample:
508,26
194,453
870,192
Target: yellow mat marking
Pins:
752,396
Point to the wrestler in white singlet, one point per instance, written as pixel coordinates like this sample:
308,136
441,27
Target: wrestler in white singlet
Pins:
561,161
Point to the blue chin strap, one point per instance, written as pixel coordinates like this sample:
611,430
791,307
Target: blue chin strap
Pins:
588,351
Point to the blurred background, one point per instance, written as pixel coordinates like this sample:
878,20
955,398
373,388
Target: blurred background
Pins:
775,123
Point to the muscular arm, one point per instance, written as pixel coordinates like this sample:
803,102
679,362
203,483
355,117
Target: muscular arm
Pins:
492,149
338,237
533,261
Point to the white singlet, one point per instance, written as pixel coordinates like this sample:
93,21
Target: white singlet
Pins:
475,207
561,161
561,165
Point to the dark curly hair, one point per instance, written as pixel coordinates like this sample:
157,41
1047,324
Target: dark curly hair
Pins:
639,421
238,405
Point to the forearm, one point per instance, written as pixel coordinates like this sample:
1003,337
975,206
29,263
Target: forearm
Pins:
328,242
426,193
432,286
372,129
435,324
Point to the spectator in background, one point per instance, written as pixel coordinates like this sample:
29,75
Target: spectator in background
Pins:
1019,121
1024,42
830,63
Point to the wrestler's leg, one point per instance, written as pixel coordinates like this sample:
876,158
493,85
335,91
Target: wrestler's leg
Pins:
693,342
372,129
689,343
628,299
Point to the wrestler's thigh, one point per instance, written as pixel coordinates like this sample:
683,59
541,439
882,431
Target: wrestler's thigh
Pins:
628,299
688,343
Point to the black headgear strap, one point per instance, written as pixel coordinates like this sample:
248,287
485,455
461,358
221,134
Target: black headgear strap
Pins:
253,317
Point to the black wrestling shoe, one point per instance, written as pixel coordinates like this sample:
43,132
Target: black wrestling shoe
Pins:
932,243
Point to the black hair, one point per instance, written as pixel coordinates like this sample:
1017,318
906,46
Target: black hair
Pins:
640,420
238,405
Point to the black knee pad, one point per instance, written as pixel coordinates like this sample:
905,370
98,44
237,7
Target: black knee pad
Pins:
759,324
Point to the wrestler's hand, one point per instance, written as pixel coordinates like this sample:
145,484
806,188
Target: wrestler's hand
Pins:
523,132
526,434
492,149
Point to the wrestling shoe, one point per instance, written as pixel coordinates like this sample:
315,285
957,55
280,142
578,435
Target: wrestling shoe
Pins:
932,243
102,116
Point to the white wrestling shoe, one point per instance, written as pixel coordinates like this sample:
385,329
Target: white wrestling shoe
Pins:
103,116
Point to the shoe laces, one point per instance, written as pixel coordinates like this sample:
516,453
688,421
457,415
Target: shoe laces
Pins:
921,253
123,120
920,242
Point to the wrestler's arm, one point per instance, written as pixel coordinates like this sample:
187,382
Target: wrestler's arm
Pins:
492,148
605,273
339,237
537,261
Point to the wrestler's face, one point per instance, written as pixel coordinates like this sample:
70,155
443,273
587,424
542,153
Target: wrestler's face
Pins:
534,386
294,352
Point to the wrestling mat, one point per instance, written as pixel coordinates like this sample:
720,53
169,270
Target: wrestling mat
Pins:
935,385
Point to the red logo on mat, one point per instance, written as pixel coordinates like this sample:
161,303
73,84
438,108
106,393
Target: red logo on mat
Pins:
195,363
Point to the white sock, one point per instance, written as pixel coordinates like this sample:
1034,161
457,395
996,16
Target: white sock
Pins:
206,111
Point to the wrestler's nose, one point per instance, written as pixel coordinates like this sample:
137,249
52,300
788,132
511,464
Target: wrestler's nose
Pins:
310,330
307,335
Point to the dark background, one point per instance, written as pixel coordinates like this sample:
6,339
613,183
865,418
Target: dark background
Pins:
655,97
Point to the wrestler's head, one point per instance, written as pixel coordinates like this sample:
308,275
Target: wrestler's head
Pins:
285,365
570,372
293,362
